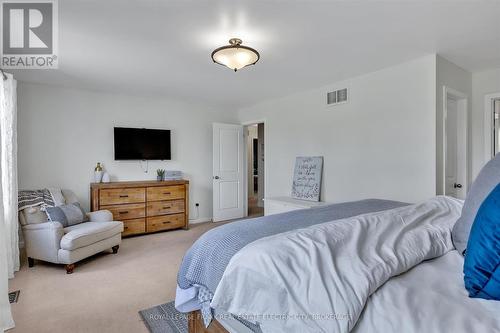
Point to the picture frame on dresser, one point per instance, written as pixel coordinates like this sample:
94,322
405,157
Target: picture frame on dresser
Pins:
144,206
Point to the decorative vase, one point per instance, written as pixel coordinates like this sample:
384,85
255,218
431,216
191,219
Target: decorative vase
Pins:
98,173
97,176
105,177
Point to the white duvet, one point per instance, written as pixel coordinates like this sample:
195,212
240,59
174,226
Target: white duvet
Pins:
429,298
318,279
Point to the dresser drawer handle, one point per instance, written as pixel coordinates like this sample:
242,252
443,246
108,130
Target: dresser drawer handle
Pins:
124,196
167,193
126,228
167,207
124,212
166,222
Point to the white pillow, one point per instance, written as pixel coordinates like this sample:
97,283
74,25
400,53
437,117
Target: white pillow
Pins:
70,196
57,196
486,181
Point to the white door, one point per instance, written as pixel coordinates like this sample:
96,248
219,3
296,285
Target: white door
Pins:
455,148
228,172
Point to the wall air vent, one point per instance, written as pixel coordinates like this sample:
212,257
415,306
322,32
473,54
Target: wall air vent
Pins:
337,97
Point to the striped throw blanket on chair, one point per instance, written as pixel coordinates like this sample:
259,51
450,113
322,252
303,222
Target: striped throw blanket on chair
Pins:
32,198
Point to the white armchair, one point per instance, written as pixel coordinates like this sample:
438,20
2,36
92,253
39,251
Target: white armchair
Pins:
50,241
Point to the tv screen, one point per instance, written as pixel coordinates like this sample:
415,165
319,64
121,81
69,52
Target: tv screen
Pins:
142,144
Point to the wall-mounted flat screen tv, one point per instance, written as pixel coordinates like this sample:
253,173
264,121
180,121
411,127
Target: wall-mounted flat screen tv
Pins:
142,144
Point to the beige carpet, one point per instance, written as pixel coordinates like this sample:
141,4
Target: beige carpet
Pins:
105,292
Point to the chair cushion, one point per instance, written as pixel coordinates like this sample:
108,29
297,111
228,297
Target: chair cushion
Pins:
32,215
482,260
485,182
67,215
88,233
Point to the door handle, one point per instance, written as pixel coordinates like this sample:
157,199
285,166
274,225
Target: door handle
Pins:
216,177
457,185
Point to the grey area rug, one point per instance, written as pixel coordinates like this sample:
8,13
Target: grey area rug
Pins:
165,318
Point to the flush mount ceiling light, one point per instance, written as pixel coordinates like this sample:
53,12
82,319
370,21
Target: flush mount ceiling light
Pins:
235,56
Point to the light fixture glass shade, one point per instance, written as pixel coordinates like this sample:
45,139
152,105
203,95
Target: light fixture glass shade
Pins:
235,56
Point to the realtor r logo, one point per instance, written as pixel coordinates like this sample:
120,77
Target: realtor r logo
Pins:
29,34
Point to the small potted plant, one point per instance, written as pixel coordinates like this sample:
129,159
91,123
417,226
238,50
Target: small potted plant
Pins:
160,174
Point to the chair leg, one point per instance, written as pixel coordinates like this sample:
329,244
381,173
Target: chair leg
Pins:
31,262
70,268
115,248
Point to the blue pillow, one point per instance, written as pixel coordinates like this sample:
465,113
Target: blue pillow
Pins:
67,215
482,259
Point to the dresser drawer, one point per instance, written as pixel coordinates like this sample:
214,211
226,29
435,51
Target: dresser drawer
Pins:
165,207
132,227
159,193
165,222
125,212
122,195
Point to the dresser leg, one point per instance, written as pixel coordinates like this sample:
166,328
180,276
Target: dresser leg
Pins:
31,262
115,248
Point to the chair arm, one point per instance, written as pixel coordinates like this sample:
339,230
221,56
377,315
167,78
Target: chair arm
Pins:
100,216
43,226
43,240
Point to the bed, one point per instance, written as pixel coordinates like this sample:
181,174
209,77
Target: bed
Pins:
203,265
378,266
429,298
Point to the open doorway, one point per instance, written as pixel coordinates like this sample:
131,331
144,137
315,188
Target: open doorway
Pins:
455,143
255,169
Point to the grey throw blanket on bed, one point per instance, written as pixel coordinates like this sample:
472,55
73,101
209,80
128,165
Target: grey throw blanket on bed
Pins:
205,262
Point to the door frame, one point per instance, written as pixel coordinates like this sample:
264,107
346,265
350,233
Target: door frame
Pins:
488,125
462,107
245,160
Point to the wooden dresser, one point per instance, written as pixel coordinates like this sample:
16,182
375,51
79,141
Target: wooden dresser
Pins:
144,206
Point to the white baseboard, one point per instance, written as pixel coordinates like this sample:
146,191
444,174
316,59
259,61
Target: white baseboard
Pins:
200,220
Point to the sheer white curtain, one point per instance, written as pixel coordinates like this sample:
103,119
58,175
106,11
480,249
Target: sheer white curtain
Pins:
9,241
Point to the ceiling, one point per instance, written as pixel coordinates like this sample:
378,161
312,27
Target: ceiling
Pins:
162,48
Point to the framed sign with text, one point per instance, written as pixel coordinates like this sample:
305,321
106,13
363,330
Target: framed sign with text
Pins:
307,178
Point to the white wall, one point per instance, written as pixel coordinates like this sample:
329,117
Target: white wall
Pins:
62,133
382,144
483,83
450,75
